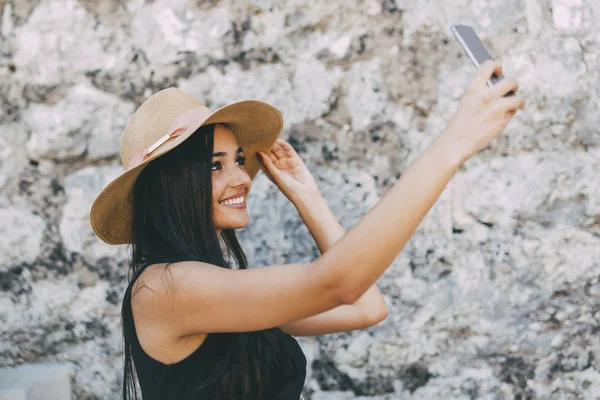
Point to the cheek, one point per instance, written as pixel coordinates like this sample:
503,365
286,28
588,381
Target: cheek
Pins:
217,191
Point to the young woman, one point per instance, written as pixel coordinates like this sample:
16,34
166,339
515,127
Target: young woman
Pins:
197,322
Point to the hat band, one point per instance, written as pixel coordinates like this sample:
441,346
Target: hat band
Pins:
181,124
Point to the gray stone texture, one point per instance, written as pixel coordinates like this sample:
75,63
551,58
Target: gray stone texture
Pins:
496,296
36,382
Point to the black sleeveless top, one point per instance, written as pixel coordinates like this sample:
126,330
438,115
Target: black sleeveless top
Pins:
159,381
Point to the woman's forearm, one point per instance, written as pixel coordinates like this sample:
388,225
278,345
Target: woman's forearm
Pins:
320,221
325,229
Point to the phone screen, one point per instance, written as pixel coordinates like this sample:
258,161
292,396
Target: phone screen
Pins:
475,49
471,44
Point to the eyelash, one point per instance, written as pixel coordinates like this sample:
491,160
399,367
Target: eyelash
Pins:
242,159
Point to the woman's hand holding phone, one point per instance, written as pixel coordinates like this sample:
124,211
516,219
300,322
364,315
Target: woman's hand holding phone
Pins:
483,112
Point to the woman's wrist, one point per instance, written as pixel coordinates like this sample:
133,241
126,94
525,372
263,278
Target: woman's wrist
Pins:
308,201
450,147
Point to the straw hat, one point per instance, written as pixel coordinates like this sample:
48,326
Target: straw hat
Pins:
162,123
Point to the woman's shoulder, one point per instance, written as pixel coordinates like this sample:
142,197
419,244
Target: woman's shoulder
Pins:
154,337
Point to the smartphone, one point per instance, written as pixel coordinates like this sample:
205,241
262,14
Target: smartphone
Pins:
476,50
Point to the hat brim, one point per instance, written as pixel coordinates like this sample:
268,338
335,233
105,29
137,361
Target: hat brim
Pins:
256,126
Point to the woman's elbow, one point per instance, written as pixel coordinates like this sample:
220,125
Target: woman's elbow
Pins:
377,316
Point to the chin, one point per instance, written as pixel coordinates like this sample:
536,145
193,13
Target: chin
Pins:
233,224
238,226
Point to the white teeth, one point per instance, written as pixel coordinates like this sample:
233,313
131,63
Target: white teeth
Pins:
229,202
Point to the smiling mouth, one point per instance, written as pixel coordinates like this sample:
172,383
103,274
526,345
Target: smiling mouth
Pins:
239,202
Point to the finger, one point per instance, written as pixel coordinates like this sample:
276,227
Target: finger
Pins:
289,150
278,151
510,104
268,167
486,70
267,173
263,168
504,86
271,156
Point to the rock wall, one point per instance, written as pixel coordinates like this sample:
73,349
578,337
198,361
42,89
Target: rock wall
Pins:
496,296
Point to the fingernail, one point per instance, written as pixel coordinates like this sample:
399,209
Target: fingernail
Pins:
259,156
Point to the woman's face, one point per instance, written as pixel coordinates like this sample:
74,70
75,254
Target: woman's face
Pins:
229,178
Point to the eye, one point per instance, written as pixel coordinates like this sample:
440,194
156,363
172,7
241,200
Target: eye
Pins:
217,164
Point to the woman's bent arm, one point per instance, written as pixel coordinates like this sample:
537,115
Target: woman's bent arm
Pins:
326,230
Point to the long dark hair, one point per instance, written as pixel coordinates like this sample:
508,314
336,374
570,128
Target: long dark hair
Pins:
173,221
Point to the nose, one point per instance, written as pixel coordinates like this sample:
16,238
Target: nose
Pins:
238,177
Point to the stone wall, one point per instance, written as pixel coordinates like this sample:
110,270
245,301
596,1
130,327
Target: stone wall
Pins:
496,296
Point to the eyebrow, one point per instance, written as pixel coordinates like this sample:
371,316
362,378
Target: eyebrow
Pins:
223,154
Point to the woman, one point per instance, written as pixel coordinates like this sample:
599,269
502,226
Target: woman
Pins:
199,324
